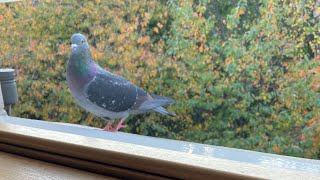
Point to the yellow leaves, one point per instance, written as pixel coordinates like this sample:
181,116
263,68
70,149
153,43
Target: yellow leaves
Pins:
270,6
317,12
312,122
261,34
288,102
151,62
314,73
165,14
202,49
96,54
159,26
144,40
276,148
229,60
147,15
152,73
142,55
33,43
269,127
89,5
224,21
121,37
113,37
145,21
156,30
63,49
315,85
90,119
121,49
302,73
123,29
50,56
99,30
240,12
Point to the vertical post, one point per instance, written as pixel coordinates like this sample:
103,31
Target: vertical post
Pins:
8,88
2,109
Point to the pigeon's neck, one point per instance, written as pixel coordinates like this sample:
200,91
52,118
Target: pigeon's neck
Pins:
81,69
81,60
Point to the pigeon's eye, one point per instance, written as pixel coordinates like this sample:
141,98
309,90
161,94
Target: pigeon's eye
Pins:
82,41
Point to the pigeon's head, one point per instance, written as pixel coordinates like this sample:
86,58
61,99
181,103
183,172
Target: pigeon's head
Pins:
78,43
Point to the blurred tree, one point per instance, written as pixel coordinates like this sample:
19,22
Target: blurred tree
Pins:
245,74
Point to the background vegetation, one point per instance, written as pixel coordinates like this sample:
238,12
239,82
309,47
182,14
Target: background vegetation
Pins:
244,74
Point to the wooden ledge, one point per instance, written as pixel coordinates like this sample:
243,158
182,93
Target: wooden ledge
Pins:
124,160
17,167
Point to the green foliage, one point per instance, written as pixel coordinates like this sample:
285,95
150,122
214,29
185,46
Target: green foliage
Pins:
244,74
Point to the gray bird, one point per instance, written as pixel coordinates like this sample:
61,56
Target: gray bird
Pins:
104,94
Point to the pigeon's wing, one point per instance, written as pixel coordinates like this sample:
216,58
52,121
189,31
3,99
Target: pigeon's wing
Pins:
114,93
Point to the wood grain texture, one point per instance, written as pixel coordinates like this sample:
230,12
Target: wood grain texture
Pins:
134,158
17,167
85,165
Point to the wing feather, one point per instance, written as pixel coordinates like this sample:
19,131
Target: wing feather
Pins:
113,93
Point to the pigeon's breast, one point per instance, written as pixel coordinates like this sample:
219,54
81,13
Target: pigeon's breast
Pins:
77,79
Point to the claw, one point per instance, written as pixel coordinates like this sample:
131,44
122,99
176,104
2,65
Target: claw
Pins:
118,126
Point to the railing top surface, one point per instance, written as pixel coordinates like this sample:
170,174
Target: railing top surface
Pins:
244,156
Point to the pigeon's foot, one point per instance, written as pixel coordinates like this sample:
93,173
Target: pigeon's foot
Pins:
108,127
118,126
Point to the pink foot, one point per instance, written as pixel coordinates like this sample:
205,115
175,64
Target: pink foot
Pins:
118,126
108,126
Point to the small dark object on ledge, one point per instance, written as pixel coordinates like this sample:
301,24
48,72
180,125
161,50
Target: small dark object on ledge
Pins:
9,88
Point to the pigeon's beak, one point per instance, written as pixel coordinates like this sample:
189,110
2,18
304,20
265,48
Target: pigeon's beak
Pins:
74,46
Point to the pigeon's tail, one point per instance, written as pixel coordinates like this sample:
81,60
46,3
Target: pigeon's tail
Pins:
156,104
162,110
163,99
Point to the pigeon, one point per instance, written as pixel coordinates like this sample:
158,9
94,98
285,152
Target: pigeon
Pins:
105,94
